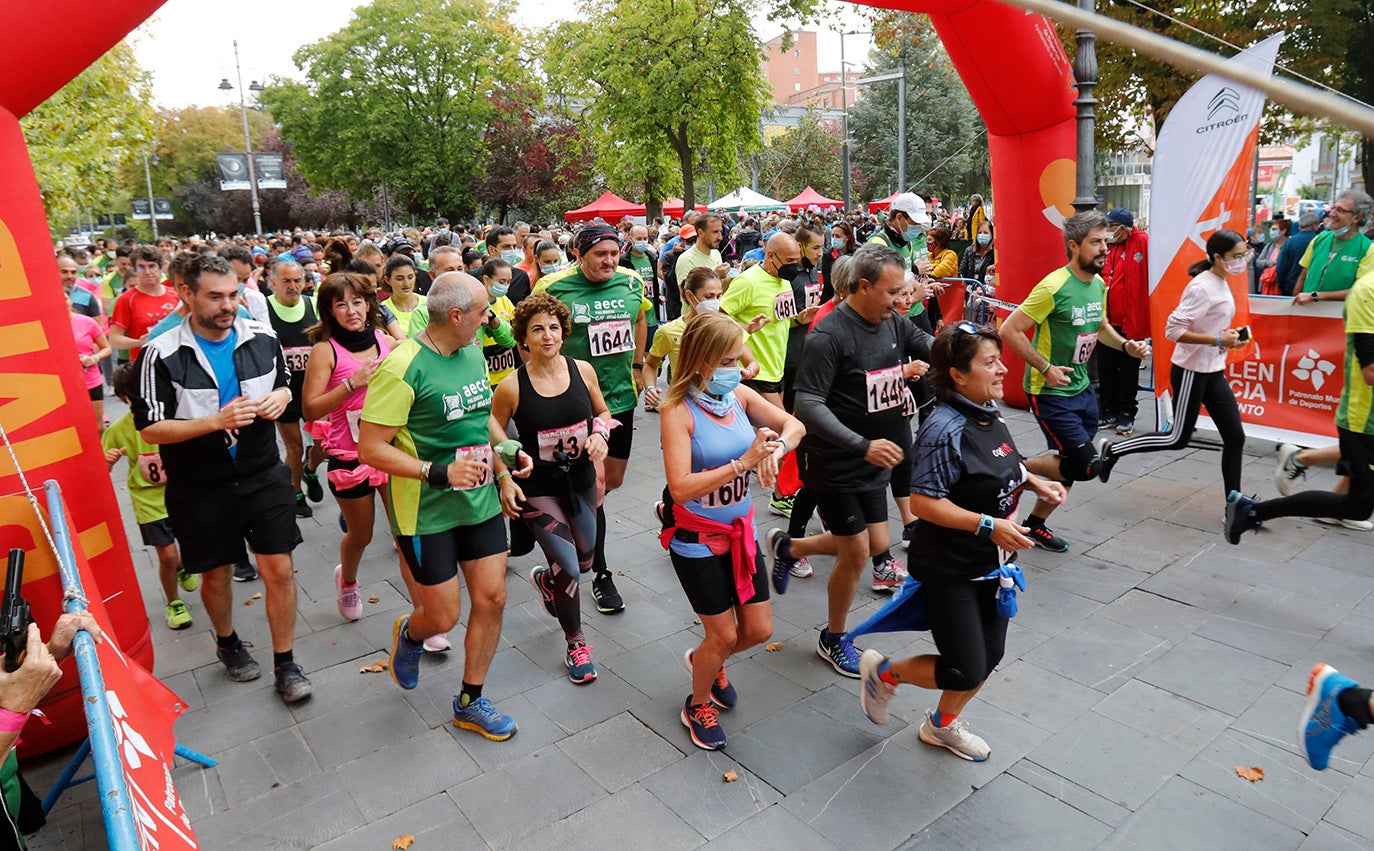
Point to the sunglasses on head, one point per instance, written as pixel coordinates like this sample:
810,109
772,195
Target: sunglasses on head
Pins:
967,327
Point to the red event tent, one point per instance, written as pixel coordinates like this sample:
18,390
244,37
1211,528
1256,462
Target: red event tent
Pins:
810,197
675,207
883,204
610,207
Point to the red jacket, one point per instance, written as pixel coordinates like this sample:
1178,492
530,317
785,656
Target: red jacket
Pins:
1128,285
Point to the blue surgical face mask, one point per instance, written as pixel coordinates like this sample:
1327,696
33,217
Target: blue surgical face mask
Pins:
913,233
498,290
513,256
1342,232
548,269
984,238
641,245
1273,233
838,243
723,380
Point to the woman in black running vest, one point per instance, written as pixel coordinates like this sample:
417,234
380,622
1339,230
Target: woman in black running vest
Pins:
564,424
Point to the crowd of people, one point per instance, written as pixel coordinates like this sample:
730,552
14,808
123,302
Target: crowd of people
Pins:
486,383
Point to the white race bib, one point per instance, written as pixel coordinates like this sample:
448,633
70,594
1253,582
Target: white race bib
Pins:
813,296
1083,348
150,468
885,388
503,361
570,439
354,418
784,305
481,454
908,402
611,337
296,357
733,491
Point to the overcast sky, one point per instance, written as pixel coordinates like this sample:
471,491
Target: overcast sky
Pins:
189,51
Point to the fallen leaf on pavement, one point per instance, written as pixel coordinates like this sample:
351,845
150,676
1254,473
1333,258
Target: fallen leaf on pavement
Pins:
377,668
402,842
730,776
374,599
248,602
773,646
1253,773
257,596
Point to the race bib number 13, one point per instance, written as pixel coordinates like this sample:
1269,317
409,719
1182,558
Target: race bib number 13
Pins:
568,439
611,338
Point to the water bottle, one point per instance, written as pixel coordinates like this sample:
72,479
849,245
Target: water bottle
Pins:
1006,596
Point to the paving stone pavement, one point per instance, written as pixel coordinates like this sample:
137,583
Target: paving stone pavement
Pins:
1144,666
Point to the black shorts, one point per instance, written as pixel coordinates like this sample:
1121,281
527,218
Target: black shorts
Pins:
293,413
848,514
710,582
355,492
763,386
1067,421
97,393
211,523
1357,461
157,533
433,559
622,437
967,630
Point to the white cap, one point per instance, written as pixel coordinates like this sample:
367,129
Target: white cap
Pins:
913,205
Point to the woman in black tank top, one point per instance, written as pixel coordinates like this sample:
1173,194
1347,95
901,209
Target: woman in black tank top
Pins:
563,423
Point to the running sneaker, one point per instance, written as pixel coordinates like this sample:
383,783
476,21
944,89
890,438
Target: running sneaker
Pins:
1238,519
437,643
314,491
703,724
405,656
303,509
955,737
482,718
840,653
350,602
291,683
178,616
801,569
1290,469
1047,540
244,571
874,695
1355,525
1106,459
238,662
1106,423
1323,724
188,581
608,600
1125,425
782,505
658,511
722,692
579,662
343,524
777,542
889,574
543,583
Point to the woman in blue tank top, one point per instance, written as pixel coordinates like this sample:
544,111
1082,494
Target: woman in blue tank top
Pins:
716,432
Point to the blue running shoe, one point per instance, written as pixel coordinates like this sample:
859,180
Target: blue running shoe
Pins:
405,656
776,542
840,653
1323,724
579,661
482,718
1238,520
543,583
722,692
701,722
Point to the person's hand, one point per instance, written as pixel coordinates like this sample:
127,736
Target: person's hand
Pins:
762,456
934,287
758,322
722,270
87,360
915,369
237,414
1304,298
511,497
1056,376
60,642
143,341
884,453
1138,349
749,372
493,321
363,376
1230,339
273,405
465,471
921,289
923,266
1048,490
22,690
805,317
526,465
1011,536
112,456
596,443
652,396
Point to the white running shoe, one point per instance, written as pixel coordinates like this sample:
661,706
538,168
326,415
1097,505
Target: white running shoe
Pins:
955,738
350,602
1354,525
437,643
874,694
802,569
1289,469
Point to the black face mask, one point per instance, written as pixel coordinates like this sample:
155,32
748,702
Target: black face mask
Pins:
789,271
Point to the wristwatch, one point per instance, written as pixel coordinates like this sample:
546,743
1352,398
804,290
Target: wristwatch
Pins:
984,527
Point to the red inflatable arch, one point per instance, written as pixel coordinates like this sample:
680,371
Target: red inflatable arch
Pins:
1019,78
43,401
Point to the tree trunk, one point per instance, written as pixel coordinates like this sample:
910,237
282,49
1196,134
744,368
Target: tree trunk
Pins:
684,157
653,205
1367,162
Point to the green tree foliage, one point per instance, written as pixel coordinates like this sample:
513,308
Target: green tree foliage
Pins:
801,156
665,82
80,137
399,97
947,150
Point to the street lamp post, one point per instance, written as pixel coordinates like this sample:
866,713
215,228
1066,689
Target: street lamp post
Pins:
1085,78
247,143
844,109
900,77
148,176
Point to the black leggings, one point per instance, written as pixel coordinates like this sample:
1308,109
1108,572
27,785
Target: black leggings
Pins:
969,633
1357,461
1192,390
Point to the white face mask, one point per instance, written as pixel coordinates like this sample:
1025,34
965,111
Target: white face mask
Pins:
708,305
1235,266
